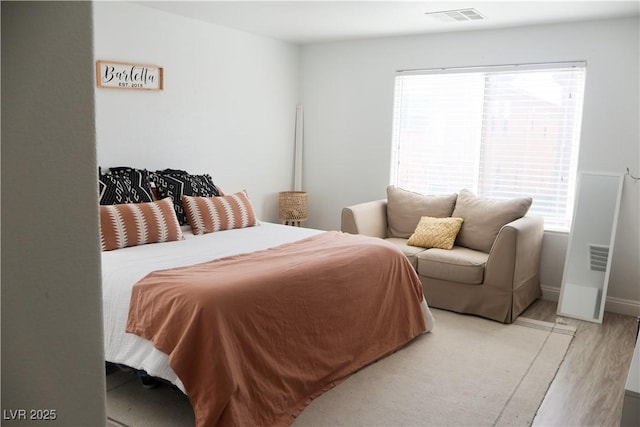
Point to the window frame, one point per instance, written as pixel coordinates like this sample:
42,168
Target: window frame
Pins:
561,222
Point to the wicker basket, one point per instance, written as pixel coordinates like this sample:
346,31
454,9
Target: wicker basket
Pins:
293,206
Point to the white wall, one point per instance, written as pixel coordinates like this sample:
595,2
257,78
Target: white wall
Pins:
52,348
347,93
228,107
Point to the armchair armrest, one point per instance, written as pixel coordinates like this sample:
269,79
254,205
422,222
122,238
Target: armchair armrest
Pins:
514,260
369,218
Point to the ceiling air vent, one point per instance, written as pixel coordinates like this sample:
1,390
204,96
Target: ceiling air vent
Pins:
457,15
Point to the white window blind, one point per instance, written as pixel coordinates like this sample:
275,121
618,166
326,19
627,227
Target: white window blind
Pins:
501,132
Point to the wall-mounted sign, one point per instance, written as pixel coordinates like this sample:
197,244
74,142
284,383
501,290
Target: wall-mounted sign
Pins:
121,75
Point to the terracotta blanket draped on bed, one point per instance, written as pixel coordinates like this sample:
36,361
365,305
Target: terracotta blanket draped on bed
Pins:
254,337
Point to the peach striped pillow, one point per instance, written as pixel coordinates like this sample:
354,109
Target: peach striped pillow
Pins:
132,224
209,214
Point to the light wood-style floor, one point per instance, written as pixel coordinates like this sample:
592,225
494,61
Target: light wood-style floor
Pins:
588,389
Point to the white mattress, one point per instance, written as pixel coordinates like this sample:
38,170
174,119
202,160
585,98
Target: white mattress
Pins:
122,268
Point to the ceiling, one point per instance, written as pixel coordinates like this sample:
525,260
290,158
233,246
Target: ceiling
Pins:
321,21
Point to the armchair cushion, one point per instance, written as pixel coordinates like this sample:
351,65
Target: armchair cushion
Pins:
461,265
409,251
483,218
405,208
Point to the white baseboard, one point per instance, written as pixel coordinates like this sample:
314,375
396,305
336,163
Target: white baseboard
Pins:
550,293
614,305
622,306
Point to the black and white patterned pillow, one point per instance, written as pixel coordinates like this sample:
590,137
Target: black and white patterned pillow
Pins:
124,185
141,178
176,183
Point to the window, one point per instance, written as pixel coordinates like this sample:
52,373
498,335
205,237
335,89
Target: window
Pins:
501,132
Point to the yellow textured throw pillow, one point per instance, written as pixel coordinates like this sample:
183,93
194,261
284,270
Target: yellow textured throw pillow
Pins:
436,232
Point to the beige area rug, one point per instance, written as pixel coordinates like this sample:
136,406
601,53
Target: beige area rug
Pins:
467,372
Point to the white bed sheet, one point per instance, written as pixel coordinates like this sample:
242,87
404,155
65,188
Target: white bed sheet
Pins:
122,268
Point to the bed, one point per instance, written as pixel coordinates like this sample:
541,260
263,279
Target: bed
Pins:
253,321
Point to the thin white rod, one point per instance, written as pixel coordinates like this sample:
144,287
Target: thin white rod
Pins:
297,168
